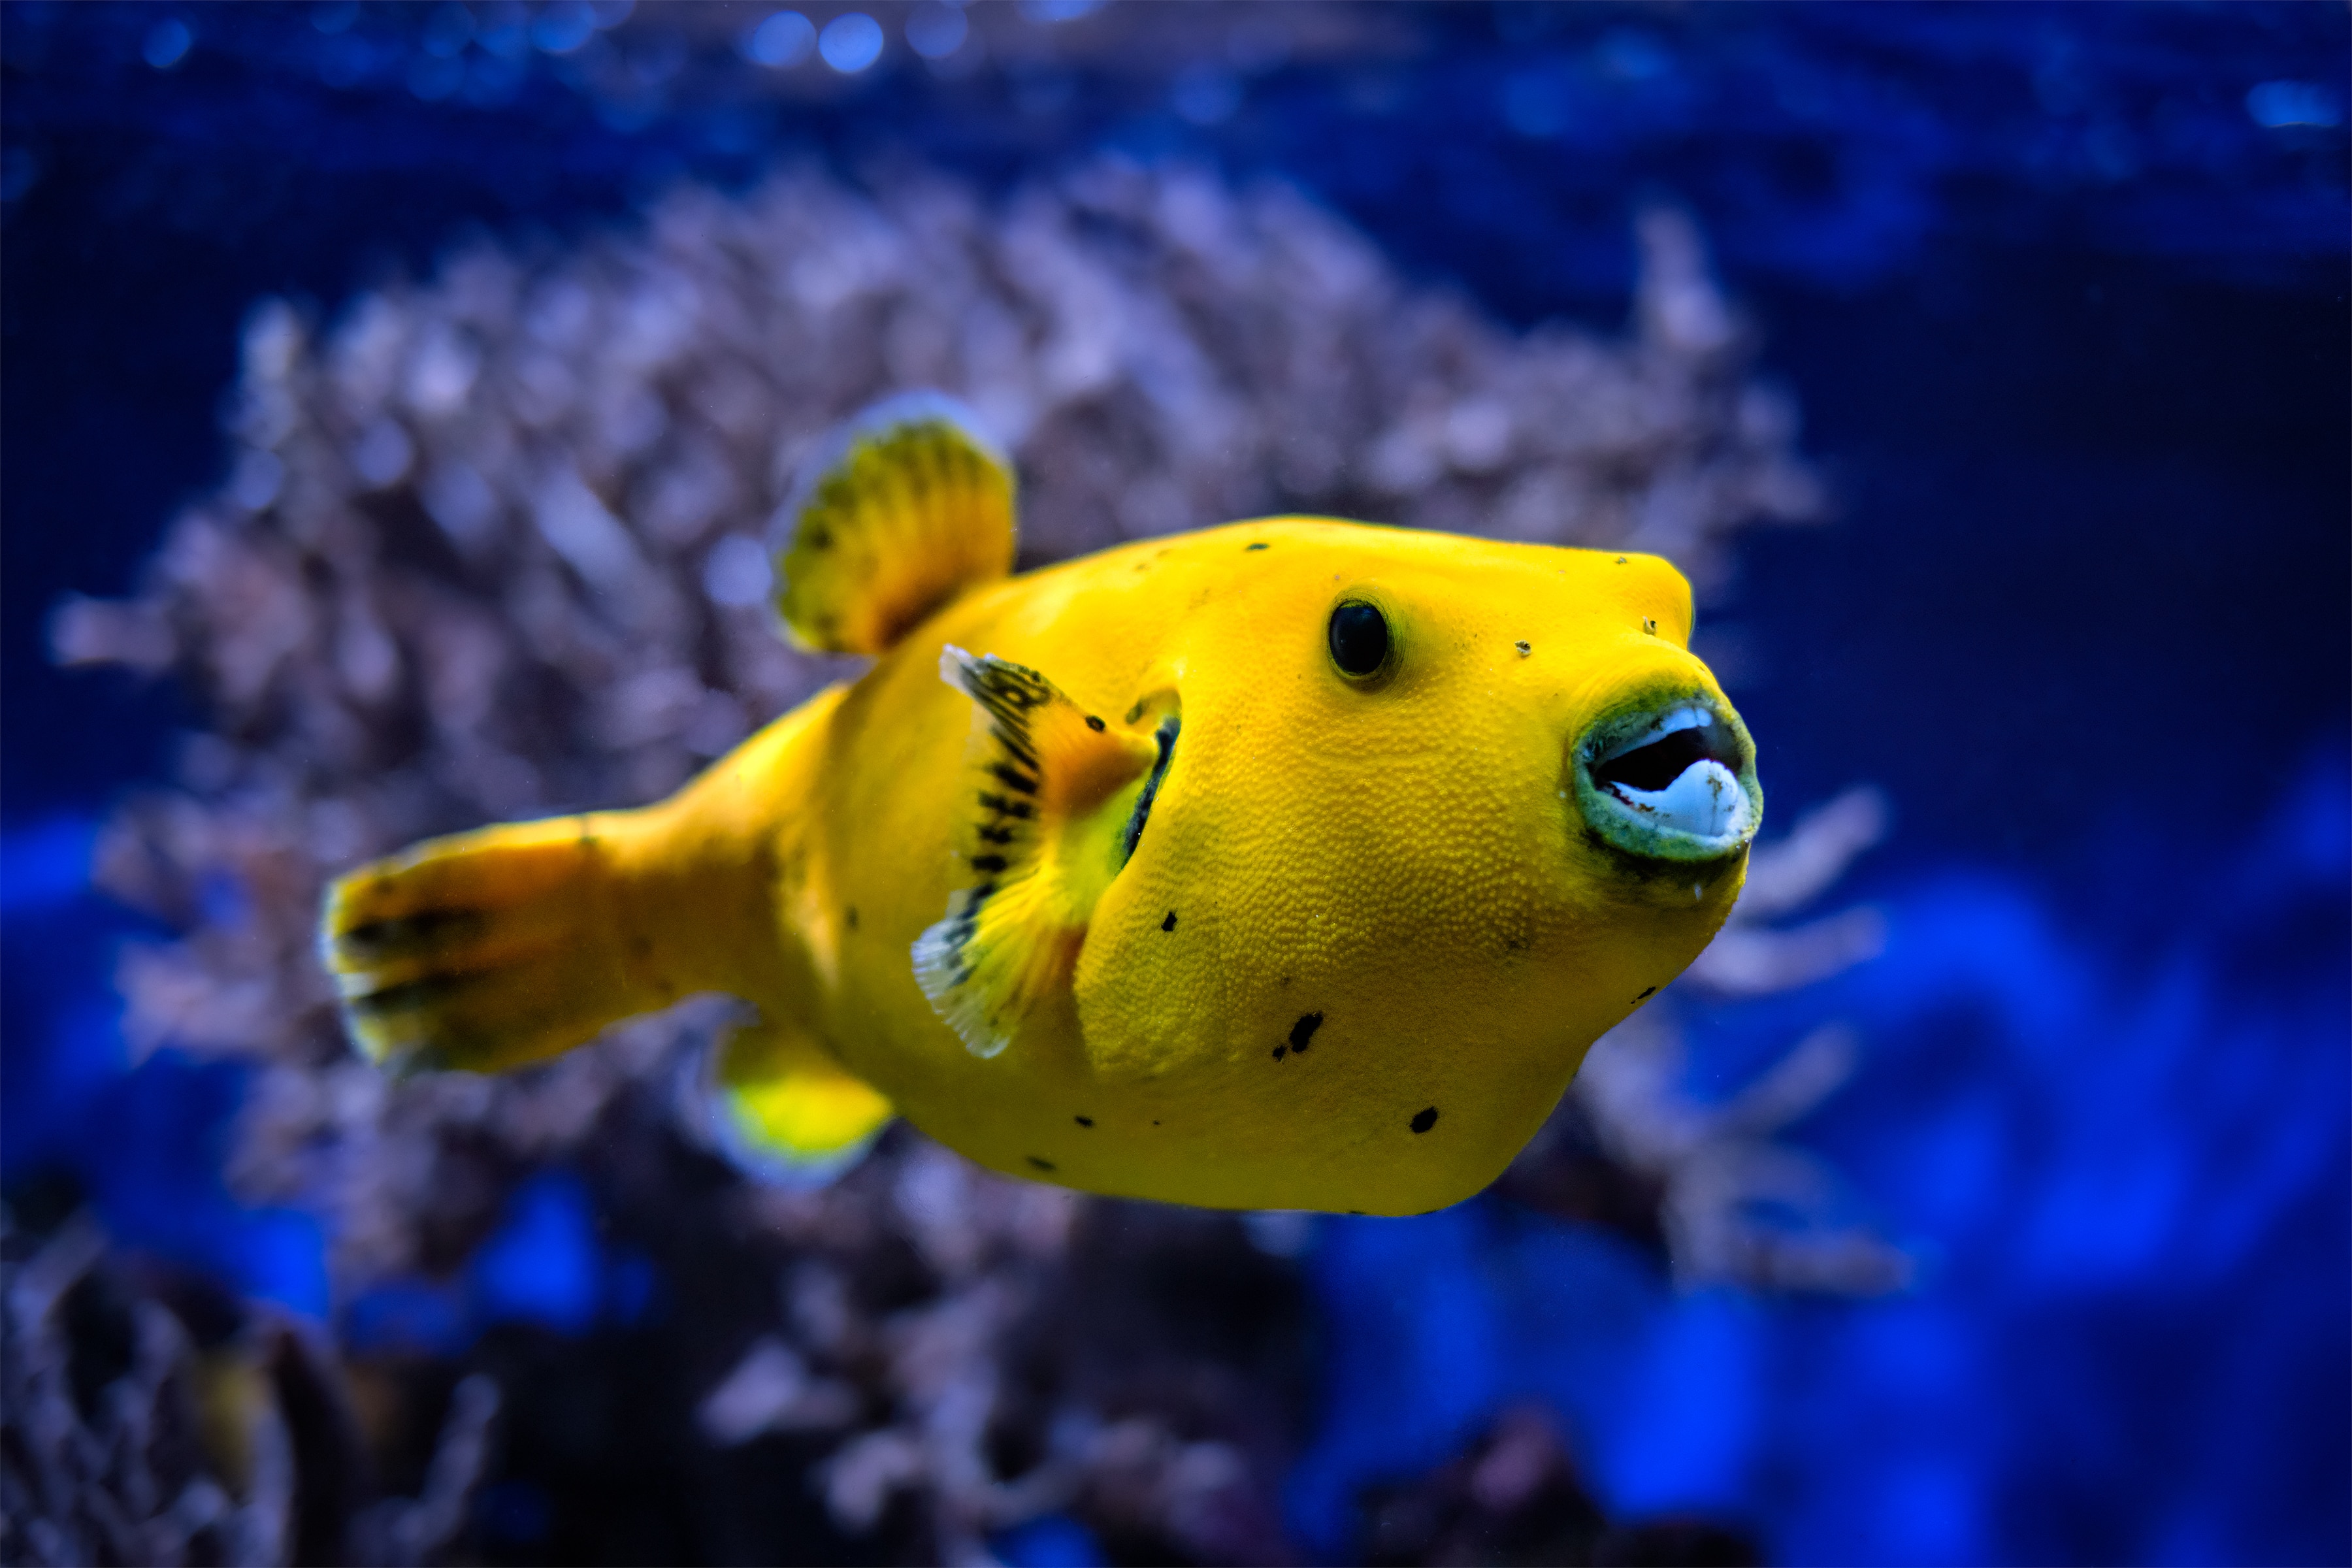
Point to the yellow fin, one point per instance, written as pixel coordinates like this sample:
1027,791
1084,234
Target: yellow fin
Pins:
787,1111
904,508
1053,799
486,950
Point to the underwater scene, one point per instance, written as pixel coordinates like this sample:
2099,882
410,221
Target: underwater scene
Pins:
426,417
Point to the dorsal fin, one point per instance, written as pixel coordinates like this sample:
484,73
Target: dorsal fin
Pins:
903,507
1053,799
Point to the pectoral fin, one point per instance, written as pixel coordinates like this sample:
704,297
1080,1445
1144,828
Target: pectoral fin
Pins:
1053,798
905,507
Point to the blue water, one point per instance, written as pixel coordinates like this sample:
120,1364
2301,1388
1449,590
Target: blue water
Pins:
545,1264
2062,293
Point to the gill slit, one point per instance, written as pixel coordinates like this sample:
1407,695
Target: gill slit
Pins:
1166,738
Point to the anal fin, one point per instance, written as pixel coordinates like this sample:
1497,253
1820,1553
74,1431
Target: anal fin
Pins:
904,508
783,1108
1053,798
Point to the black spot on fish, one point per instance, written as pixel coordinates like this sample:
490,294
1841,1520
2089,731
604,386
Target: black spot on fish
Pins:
1041,1164
431,927
1280,1052
1524,649
1304,1031
1645,995
435,990
1246,548
988,863
1094,723
996,836
1134,713
1018,749
819,539
853,917
1084,1120
1169,924
1012,778
1425,1120
1155,1125
1355,1211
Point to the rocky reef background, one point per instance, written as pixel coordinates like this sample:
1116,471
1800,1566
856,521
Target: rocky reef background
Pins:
481,539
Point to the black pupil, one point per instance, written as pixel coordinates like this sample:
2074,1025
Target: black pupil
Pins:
1360,637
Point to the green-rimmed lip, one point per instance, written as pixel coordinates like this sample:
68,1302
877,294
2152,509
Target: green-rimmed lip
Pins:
1674,781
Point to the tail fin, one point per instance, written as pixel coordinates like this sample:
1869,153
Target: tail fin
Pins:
488,949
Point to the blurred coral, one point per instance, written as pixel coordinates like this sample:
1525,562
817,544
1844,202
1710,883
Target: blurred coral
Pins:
1715,1166
489,547
1631,1149
150,1418
1512,1497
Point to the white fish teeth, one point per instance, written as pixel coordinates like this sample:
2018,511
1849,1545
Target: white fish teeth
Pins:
1704,801
1689,716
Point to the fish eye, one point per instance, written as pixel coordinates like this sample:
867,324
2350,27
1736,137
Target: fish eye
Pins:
1360,637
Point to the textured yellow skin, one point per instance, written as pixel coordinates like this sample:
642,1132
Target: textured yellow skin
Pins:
1406,858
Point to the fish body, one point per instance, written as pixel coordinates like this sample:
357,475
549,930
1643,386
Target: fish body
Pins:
1288,863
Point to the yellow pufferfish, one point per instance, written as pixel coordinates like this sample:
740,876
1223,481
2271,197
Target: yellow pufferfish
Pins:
1288,863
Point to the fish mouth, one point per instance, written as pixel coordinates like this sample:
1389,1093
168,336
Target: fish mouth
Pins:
1671,780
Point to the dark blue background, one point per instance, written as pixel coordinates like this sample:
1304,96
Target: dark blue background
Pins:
2069,327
